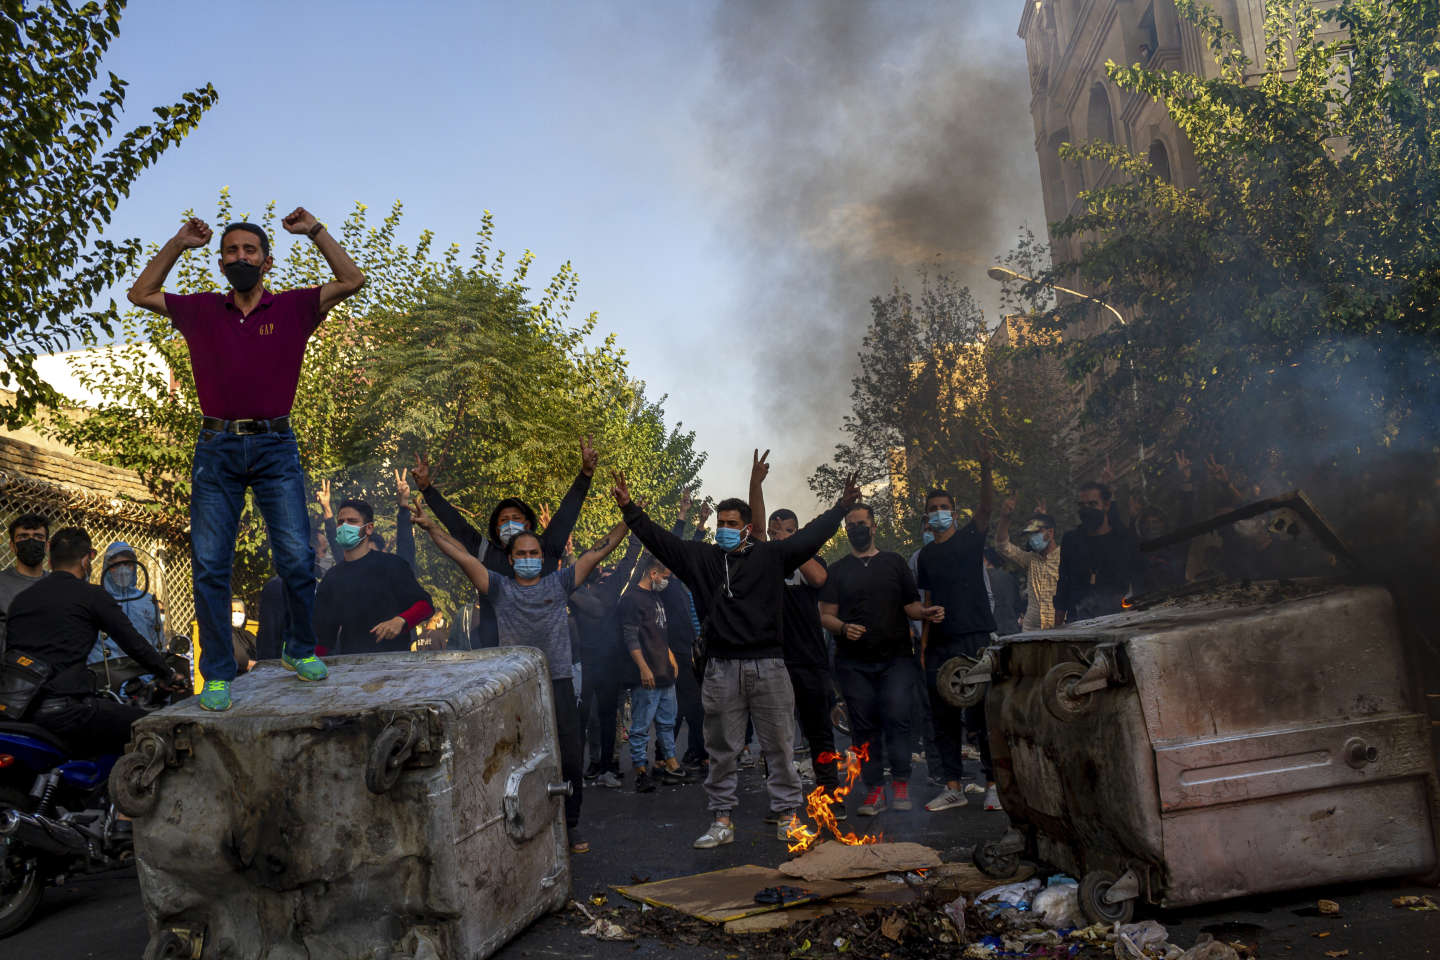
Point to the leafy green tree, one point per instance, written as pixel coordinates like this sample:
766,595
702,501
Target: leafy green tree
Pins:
65,166
934,387
1284,306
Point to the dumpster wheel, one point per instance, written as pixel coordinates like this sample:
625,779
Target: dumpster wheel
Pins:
1093,903
950,683
994,864
1057,690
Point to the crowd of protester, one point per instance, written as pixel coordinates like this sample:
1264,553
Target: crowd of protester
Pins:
687,650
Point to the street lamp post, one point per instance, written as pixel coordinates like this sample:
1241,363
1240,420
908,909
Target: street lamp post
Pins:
1002,274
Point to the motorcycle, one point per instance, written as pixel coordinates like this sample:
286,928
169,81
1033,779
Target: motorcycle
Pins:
56,819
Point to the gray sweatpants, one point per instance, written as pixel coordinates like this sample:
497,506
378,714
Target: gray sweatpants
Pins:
735,691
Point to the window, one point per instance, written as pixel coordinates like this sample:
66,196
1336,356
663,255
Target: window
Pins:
1160,160
1098,125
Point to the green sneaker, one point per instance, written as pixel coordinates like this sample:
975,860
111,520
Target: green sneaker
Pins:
306,668
216,695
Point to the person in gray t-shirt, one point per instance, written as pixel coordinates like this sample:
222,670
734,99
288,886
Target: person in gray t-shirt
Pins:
29,537
531,610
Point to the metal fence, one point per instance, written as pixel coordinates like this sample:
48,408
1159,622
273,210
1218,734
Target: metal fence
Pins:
160,546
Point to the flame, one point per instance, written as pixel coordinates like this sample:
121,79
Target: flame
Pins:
817,806
1126,603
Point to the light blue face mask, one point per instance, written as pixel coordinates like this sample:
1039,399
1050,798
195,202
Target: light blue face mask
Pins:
1037,542
728,537
927,537
349,535
528,568
509,529
941,519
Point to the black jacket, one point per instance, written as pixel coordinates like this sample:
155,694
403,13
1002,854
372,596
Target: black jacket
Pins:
58,620
740,597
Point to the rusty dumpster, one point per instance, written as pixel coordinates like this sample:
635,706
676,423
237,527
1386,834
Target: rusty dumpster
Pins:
1228,739
408,806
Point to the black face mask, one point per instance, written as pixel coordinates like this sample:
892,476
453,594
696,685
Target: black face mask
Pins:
1091,519
242,275
859,535
30,552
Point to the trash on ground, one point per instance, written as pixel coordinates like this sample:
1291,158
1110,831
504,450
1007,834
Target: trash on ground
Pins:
1337,953
1017,895
837,861
1059,904
724,895
600,927
1208,948
1416,903
1328,908
955,910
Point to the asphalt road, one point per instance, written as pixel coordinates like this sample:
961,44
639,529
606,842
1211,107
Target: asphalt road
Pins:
647,836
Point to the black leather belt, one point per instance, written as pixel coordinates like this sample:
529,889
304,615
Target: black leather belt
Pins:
246,427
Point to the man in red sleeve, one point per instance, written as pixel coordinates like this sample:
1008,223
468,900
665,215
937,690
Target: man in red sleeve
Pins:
372,602
246,347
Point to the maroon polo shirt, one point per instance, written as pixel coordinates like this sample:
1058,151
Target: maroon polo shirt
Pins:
246,367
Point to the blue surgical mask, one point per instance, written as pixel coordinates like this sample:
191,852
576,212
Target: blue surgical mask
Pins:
349,535
728,537
1037,542
528,568
927,538
941,519
509,529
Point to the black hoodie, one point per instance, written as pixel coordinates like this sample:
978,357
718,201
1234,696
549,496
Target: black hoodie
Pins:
740,596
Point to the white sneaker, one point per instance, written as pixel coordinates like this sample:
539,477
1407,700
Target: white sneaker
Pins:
992,799
972,787
718,835
947,799
608,779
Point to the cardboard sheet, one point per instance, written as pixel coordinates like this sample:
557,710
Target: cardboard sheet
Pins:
836,861
721,896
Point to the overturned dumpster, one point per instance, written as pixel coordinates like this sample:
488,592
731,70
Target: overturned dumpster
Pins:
1220,738
408,806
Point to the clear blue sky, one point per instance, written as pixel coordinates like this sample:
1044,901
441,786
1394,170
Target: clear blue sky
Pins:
596,132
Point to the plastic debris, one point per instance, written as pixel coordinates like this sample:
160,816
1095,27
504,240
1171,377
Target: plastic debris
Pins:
955,910
601,928
1147,935
1059,906
1017,895
1208,948
1415,903
1328,908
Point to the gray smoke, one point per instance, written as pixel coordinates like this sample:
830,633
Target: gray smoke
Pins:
858,144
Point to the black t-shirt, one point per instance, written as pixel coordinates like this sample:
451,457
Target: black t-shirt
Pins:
953,571
644,622
357,595
801,635
873,592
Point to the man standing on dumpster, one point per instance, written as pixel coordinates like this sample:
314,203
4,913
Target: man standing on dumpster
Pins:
951,573
246,347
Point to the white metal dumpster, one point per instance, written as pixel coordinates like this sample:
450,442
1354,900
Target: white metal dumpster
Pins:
408,806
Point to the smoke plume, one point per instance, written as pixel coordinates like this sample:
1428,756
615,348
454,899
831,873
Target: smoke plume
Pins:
857,144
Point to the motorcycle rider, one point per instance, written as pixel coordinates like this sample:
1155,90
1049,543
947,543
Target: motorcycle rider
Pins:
120,580
28,535
55,622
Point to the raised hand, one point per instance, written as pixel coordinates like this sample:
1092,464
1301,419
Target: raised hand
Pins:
851,494
759,469
704,513
1007,506
687,500
1182,465
423,473
621,490
589,459
193,233
544,515
1217,470
1107,476
402,489
1040,506
299,220
322,497
417,515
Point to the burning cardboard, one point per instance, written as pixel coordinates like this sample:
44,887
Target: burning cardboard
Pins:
721,896
819,804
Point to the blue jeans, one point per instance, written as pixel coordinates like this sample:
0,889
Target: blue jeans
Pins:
225,465
657,706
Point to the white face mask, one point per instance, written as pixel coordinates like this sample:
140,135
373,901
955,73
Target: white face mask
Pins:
237,619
